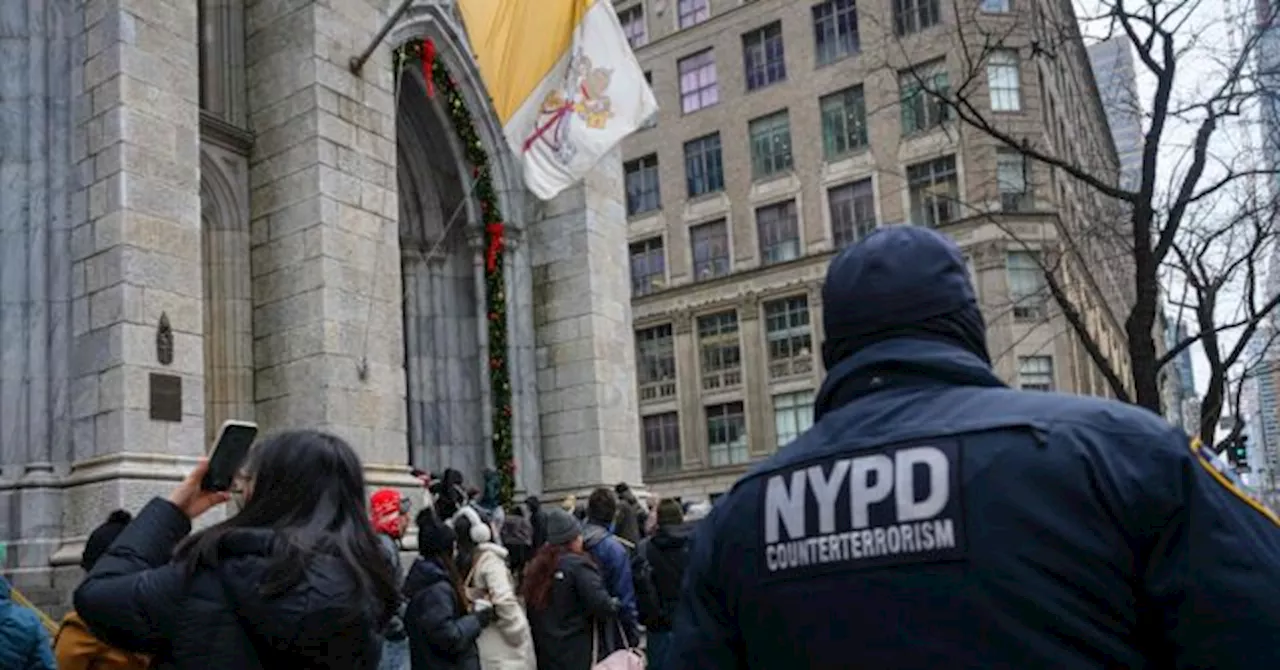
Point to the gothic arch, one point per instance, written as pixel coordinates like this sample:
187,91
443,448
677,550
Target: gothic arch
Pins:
439,24
228,290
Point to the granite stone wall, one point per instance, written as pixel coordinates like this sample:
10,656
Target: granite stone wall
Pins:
585,345
326,263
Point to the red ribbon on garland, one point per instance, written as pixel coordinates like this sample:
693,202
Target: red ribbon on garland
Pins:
428,64
495,231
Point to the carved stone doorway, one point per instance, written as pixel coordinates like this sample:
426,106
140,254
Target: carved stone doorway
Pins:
441,265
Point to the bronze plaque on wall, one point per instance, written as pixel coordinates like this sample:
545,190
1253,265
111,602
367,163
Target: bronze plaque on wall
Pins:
166,397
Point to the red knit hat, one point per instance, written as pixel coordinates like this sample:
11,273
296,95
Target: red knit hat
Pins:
385,509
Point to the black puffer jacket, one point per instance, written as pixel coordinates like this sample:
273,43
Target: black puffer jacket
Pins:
668,553
579,607
135,598
441,636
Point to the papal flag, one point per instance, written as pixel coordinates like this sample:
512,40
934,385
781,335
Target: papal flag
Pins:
564,82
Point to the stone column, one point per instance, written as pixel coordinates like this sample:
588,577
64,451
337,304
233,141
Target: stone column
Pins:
818,334
327,290
137,263
586,391
693,448
521,350
991,269
477,243
40,49
755,369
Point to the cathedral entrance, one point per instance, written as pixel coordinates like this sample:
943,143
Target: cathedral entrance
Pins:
442,268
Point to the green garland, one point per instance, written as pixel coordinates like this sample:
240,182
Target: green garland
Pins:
495,285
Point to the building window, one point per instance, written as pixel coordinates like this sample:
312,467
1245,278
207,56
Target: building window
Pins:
1026,285
648,266
710,243
792,415
996,6
693,12
661,443
853,212
778,232
935,192
698,86
923,91
835,30
1035,373
721,355
762,56
656,362
726,434
643,192
912,16
1011,178
790,341
633,25
973,276
844,122
770,144
703,167
1003,81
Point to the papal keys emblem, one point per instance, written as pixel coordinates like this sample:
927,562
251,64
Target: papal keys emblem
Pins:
583,97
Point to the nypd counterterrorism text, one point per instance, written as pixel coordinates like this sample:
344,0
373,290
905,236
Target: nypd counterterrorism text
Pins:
882,507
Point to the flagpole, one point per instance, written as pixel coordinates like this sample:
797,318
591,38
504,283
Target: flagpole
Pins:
357,62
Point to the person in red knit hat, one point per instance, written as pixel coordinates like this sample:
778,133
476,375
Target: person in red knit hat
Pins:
389,512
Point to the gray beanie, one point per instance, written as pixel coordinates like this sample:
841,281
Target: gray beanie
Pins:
561,527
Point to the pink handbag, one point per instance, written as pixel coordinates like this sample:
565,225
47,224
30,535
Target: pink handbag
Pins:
629,658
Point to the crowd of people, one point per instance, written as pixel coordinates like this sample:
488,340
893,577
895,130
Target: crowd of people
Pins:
307,573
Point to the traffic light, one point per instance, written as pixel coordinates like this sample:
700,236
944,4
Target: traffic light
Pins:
1238,451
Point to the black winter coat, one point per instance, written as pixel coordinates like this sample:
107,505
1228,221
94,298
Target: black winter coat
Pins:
668,553
441,636
579,604
137,599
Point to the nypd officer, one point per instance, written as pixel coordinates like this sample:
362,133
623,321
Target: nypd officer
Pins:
933,517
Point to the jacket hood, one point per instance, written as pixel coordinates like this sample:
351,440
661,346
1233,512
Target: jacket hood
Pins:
673,537
423,574
900,281
495,549
593,533
900,362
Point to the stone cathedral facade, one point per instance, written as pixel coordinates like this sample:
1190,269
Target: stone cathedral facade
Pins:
205,215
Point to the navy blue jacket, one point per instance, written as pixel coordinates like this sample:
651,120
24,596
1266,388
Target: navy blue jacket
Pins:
441,635
615,568
933,517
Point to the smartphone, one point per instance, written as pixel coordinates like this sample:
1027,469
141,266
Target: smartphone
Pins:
229,453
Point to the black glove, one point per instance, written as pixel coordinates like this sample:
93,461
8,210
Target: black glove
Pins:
486,616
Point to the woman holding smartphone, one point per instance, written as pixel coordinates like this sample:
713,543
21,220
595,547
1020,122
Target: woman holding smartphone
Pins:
294,579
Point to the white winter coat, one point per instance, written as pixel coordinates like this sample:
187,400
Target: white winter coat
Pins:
507,644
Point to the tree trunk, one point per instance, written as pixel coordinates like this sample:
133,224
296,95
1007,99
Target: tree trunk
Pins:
1140,325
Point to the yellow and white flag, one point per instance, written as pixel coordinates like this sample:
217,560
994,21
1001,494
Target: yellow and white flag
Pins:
564,81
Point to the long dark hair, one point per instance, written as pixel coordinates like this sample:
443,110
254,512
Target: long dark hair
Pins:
540,574
308,487
443,556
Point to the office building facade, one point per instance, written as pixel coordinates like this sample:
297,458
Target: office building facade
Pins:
791,129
